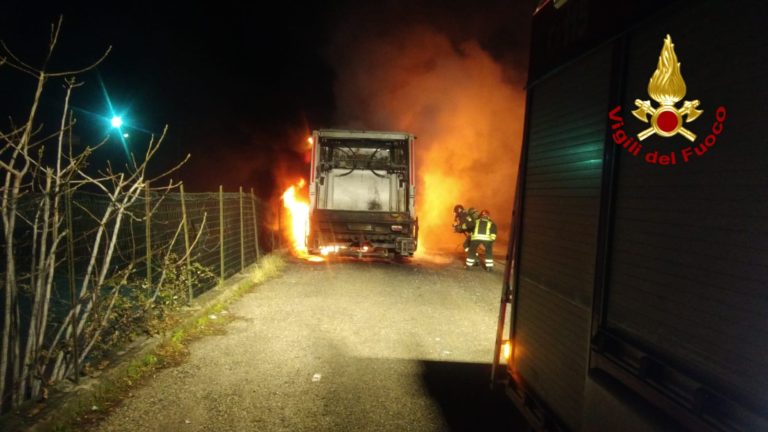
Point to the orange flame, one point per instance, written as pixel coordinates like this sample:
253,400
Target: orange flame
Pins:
465,109
298,215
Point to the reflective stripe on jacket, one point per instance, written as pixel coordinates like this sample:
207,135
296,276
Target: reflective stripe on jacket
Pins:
484,230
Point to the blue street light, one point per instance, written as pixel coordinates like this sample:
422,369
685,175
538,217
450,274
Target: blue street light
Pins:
117,123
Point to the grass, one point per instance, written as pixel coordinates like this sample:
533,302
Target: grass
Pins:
268,268
172,352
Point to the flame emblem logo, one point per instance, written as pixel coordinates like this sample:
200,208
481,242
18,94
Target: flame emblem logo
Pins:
667,87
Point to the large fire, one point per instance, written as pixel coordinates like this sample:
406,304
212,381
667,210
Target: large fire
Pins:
298,221
464,108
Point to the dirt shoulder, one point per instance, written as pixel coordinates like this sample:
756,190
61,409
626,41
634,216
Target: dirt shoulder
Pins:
77,407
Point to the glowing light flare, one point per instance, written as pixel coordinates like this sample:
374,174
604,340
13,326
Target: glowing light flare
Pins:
506,350
298,215
116,121
327,250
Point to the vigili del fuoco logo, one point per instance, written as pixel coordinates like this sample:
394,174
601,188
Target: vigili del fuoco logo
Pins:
666,120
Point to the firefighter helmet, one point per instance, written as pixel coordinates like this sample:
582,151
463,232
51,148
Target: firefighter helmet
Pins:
458,208
485,213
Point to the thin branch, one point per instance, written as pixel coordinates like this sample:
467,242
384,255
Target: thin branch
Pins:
197,237
87,211
10,168
164,267
96,182
14,135
55,29
7,136
11,140
168,172
24,67
106,316
85,69
51,136
19,64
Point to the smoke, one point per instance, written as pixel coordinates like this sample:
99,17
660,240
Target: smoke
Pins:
269,162
453,83
461,104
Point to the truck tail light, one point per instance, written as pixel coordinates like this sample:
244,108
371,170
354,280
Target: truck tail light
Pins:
506,350
325,250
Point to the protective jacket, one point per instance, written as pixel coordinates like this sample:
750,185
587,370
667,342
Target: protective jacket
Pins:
485,230
484,233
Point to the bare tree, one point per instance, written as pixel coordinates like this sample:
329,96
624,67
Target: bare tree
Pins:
43,184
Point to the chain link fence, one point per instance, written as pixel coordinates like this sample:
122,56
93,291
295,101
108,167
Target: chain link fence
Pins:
220,232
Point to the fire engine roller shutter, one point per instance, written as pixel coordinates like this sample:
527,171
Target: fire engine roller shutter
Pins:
689,264
558,239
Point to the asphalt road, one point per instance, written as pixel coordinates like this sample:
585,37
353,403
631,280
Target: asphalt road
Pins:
341,346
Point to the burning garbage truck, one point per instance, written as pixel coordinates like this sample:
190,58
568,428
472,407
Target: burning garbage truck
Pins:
362,194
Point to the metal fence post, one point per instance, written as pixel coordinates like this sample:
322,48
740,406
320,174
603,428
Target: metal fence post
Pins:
186,242
148,236
242,233
255,226
221,229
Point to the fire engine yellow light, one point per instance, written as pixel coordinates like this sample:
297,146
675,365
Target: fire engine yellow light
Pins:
506,350
310,141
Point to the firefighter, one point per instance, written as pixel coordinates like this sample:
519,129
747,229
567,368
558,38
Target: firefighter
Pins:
484,233
464,222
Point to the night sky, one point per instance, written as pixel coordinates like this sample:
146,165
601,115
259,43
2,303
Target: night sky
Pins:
240,85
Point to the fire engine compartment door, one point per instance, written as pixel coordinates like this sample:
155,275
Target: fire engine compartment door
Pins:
559,226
